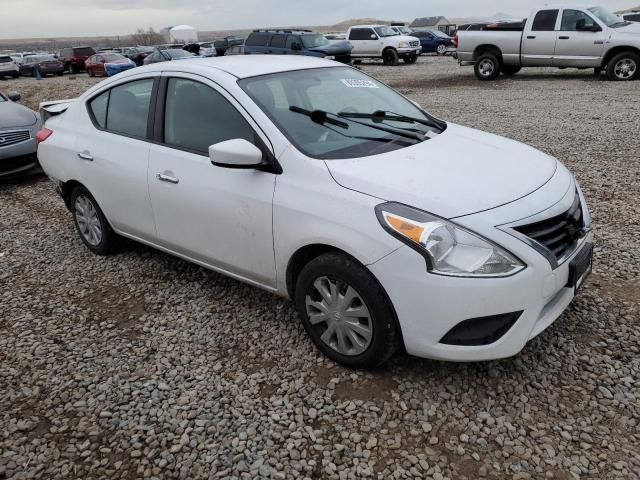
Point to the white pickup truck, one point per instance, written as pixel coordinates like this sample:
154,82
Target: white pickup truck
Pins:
382,41
555,36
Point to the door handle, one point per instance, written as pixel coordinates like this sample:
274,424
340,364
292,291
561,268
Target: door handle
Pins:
167,178
85,156
563,38
531,37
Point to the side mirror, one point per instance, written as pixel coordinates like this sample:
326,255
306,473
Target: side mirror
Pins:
14,96
236,153
373,37
581,26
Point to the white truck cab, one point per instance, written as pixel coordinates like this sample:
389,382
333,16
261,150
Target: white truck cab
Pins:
383,41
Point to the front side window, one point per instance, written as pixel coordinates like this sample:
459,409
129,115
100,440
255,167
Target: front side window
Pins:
277,41
257,39
361,34
385,31
338,91
197,116
545,21
570,19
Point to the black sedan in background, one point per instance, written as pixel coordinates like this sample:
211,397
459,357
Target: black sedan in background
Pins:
47,64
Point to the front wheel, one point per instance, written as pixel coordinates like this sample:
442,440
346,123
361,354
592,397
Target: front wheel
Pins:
624,67
390,57
346,312
411,59
487,67
91,224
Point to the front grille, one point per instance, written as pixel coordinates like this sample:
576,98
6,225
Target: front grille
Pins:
11,138
414,43
558,234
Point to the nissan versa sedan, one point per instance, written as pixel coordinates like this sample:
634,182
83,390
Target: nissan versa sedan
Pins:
386,226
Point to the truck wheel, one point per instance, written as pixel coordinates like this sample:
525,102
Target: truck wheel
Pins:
624,67
390,57
410,59
510,69
487,67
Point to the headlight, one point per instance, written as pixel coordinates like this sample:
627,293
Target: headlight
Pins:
448,248
403,45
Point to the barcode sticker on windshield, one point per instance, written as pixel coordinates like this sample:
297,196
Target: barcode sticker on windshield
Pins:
358,83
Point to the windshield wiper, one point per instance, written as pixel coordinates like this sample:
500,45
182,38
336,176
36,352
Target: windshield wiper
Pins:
321,117
384,115
619,24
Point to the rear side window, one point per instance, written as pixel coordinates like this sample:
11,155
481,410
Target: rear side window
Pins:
545,21
124,109
257,39
277,41
197,116
360,34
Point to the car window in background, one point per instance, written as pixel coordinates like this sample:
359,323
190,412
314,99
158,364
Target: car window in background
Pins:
84,51
196,117
570,19
6,59
110,57
277,41
128,108
2,98
361,34
177,54
545,21
313,41
257,39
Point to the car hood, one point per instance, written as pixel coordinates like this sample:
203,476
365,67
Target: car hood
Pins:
459,172
405,38
633,28
334,49
15,115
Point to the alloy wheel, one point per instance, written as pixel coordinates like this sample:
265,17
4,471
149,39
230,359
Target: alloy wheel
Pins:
340,316
442,49
625,68
486,68
88,221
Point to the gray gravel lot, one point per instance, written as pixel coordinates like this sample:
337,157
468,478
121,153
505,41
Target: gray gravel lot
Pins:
142,365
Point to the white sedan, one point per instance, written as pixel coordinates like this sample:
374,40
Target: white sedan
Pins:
386,226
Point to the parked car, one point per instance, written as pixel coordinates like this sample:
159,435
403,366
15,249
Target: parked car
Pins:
8,67
19,57
138,54
631,17
314,181
434,41
19,127
47,64
108,64
208,49
382,41
555,36
167,54
73,58
235,50
296,42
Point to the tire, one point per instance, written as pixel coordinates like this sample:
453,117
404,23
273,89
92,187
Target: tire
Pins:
410,59
390,57
90,72
624,67
509,70
74,69
487,67
441,50
346,59
95,231
339,275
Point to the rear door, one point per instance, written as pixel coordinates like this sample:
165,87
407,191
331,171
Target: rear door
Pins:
257,43
576,48
277,44
539,39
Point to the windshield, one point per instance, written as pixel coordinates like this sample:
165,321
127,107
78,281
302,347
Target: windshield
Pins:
177,54
403,30
313,41
605,16
339,90
385,31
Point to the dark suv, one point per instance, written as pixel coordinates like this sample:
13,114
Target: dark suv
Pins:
73,58
296,42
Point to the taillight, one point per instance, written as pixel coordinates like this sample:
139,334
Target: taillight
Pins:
42,135
455,40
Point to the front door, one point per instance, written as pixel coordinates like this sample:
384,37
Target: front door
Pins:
576,47
539,42
219,216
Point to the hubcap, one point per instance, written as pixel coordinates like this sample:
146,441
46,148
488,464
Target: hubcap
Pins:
441,49
486,68
625,68
87,220
340,316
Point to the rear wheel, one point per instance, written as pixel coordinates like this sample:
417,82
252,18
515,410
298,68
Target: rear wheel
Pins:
487,67
510,69
624,67
346,312
441,50
410,59
390,57
91,224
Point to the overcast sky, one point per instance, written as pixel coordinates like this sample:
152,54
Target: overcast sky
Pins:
49,18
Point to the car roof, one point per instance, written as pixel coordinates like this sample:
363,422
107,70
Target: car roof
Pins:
243,66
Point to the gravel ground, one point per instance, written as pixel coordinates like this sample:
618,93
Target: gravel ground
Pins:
142,365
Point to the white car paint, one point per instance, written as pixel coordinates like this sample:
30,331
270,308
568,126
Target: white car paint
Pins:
248,223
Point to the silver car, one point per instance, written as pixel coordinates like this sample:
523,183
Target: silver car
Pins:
18,129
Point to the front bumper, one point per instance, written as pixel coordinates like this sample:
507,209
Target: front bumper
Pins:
20,157
429,306
404,52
